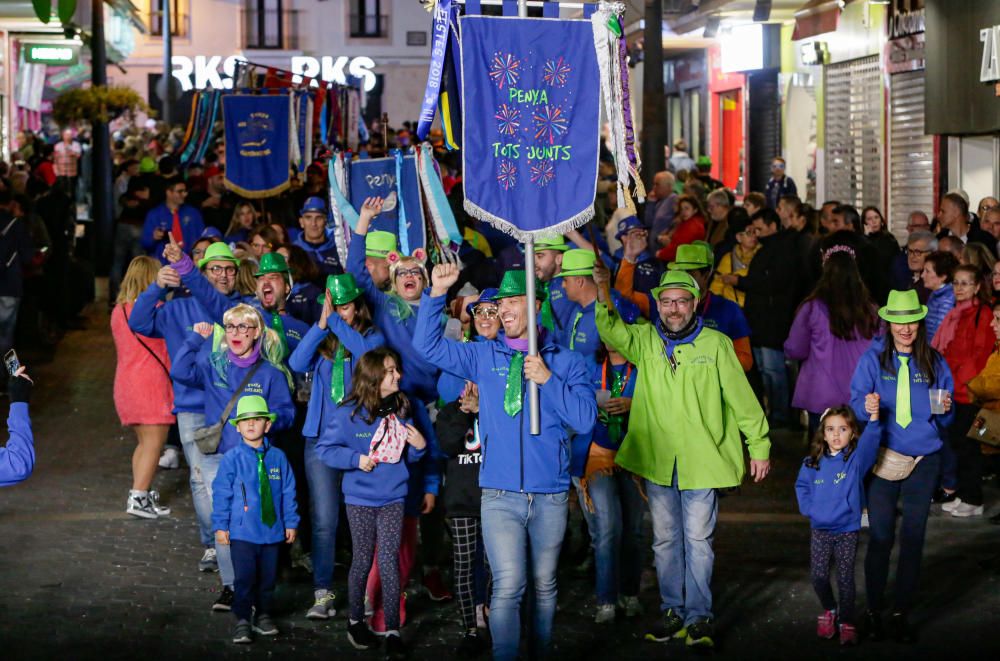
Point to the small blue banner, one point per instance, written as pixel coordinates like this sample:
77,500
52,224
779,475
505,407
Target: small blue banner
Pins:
378,177
257,147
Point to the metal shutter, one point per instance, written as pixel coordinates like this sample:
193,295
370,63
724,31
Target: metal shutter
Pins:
853,93
911,153
765,127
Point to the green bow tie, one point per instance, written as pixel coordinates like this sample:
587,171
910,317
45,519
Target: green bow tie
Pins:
267,515
512,393
903,414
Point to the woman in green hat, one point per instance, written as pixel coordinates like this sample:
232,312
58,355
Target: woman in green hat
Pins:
328,353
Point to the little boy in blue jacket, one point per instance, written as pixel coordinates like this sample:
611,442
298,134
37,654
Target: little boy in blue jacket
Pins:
254,511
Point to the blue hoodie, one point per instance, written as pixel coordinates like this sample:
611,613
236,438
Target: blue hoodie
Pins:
324,254
302,302
599,434
832,495
173,321
306,358
924,433
236,495
512,458
198,369
160,217
582,336
939,303
17,460
341,446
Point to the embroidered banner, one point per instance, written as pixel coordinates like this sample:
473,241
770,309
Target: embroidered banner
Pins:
257,144
378,177
531,123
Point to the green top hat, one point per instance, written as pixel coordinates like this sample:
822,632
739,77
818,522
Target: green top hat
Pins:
577,262
551,243
252,406
677,280
692,257
379,243
343,289
218,252
272,262
515,284
903,307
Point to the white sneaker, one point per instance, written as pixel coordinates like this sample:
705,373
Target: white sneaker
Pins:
323,608
966,510
140,505
864,519
950,507
631,606
605,614
481,617
170,459
154,497
208,562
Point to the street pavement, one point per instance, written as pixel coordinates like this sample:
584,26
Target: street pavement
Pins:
79,579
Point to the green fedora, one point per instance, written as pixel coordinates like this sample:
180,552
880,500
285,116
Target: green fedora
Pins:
379,243
343,289
514,283
252,406
218,252
693,257
903,307
272,262
551,243
577,262
677,280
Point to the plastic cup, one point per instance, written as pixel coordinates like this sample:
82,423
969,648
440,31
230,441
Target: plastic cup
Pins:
938,397
603,396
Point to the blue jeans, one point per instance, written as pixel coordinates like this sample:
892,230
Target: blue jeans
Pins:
256,572
325,497
617,505
771,363
683,528
514,526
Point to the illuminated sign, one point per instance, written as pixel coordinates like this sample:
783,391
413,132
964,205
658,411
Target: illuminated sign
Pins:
54,54
201,71
743,48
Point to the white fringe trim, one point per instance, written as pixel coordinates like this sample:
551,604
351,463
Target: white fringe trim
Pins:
507,227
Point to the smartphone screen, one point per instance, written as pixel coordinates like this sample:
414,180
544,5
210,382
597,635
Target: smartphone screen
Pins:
11,362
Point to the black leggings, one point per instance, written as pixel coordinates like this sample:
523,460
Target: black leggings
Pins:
842,547
371,528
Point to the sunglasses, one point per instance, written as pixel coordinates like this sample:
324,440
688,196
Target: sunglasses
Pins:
486,311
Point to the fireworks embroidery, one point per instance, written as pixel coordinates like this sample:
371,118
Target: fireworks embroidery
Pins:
542,173
505,70
508,119
550,123
556,72
507,174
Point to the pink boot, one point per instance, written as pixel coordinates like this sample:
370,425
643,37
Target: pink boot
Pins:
848,634
826,625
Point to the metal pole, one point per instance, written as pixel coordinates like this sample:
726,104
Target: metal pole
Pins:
168,66
100,152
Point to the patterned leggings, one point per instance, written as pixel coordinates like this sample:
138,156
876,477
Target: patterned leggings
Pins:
468,550
842,547
371,526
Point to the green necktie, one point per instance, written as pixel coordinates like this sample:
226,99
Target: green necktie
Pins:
337,375
576,322
267,515
548,322
279,328
512,393
903,415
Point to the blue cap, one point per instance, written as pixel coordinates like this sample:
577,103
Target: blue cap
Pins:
627,224
485,297
211,232
313,204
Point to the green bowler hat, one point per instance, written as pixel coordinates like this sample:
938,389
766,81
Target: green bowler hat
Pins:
272,262
514,283
677,280
903,307
551,243
343,289
252,406
379,243
577,262
693,257
218,252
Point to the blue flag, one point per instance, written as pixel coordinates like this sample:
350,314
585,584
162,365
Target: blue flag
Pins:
531,123
397,183
257,144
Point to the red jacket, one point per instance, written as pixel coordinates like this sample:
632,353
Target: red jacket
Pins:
967,354
687,231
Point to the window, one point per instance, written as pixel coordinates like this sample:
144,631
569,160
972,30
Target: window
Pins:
367,20
177,19
264,24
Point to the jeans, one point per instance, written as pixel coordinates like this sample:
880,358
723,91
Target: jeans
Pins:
771,363
617,505
683,528
256,572
204,468
514,526
325,498
8,321
912,496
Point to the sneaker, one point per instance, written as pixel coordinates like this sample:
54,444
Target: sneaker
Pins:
873,626
864,519
826,625
395,649
360,636
950,506
482,617
435,586
323,608
631,606
154,497
139,505
208,562
965,510
242,634
670,627
473,644
848,635
700,634
224,603
605,614
941,497
900,629
265,625
170,459
300,557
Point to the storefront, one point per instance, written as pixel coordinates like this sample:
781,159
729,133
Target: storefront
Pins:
686,87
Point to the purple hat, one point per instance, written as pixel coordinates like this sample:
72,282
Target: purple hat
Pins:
313,204
627,224
485,297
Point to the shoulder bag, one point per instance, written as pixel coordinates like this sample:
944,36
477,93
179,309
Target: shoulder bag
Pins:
208,438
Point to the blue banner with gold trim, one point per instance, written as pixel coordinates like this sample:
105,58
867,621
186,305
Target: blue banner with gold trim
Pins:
257,144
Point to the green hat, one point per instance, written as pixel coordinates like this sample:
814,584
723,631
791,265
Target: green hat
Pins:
704,161
903,307
218,252
677,280
692,257
577,262
252,406
147,165
342,288
379,243
272,262
551,243
514,283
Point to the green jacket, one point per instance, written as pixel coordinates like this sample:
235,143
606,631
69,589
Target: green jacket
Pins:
693,416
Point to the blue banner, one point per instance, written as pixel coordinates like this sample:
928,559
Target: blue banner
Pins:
257,144
378,177
442,14
531,123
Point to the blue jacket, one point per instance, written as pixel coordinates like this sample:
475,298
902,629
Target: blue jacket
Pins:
302,302
924,433
341,446
582,337
236,495
419,374
324,255
723,315
599,434
306,358
173,322
516,460
202,370
17,460
833,494
939,303
776,189
160,217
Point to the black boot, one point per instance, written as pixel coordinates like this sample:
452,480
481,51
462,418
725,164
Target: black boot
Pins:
873,625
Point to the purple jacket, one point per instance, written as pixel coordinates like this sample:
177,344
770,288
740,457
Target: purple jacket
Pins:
828,362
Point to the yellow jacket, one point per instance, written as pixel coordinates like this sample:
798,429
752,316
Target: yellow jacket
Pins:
725,267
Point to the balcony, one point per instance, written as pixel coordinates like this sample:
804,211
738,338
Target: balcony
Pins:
269,29
369,26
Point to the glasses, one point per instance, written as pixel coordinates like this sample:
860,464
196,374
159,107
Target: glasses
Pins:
217,270
414,272
917,253
963,283
486,311
676,302
242,329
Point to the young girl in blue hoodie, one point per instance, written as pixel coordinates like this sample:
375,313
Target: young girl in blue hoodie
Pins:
829,489
372,439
